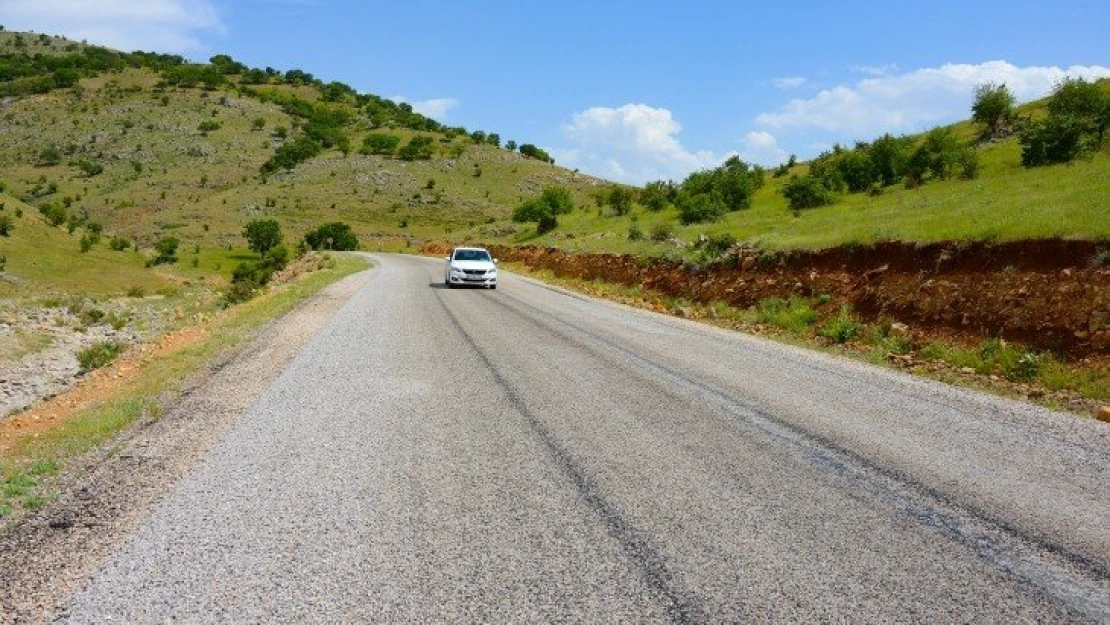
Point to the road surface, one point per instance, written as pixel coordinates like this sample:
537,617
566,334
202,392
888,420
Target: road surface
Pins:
528,455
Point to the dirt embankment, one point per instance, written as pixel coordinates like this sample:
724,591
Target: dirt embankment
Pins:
1048,294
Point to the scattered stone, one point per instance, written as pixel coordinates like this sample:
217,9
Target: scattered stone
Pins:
1103,414
967,371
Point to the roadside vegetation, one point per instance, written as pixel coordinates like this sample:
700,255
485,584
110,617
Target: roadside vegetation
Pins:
29,465
988,364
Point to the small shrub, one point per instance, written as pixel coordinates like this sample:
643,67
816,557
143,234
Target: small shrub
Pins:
635,233
842,328
661,233
7,224
165,251
136,291
3,262
546,223
119,244
1025,368
98,355
118,321
717,244
793,314
87,242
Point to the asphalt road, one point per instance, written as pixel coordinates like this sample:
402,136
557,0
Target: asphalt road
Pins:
527,455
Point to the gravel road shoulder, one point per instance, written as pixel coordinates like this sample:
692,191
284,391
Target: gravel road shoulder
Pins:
46,555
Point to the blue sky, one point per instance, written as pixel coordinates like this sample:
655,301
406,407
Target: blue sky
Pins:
633,91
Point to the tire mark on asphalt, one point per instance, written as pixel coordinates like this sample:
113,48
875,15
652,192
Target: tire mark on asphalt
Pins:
809,364
1078,582
680,607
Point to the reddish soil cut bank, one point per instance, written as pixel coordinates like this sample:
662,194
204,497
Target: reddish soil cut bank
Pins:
1048,294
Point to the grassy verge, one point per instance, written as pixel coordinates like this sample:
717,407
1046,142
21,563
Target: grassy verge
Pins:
994,366
26,470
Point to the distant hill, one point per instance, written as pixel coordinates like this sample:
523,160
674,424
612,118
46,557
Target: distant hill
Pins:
149,145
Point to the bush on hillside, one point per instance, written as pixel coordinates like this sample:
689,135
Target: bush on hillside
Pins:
658,194
532,151
292,154
1078,115
7,225
336,236
55,214
380,143
98,355
700,208
49,157
418,148
165,252
804,192
553,201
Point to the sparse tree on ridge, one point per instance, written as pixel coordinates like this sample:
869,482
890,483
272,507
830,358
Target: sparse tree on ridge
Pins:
993,106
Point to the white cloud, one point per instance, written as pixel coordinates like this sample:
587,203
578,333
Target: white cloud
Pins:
876,70
633,143
762,148
789,82
915,100
153,25
436,108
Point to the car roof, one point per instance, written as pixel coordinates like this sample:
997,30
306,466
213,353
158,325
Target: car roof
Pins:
476,249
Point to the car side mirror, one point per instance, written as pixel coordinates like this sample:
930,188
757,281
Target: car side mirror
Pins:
446,258
495,261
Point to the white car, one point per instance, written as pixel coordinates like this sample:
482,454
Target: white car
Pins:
471,266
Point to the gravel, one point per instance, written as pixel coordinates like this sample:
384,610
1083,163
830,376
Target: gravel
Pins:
43,558
530,455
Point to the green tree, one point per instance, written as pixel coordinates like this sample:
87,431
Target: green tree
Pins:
510,145
1085,101
993,106
620,199
292,154
943,155
803,192
165,251
380,143
332,236
262,235
889,155
418,148
1054,140
532,151
7,224
700,207
258,123
49,157
656,195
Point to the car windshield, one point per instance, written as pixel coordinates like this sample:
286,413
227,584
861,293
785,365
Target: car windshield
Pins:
471,255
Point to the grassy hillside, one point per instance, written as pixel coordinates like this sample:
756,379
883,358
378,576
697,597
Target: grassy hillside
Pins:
163,174
185,161
1007,202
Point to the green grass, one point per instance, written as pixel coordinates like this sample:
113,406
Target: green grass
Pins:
1007,202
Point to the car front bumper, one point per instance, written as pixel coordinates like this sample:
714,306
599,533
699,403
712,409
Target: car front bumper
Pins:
473,280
